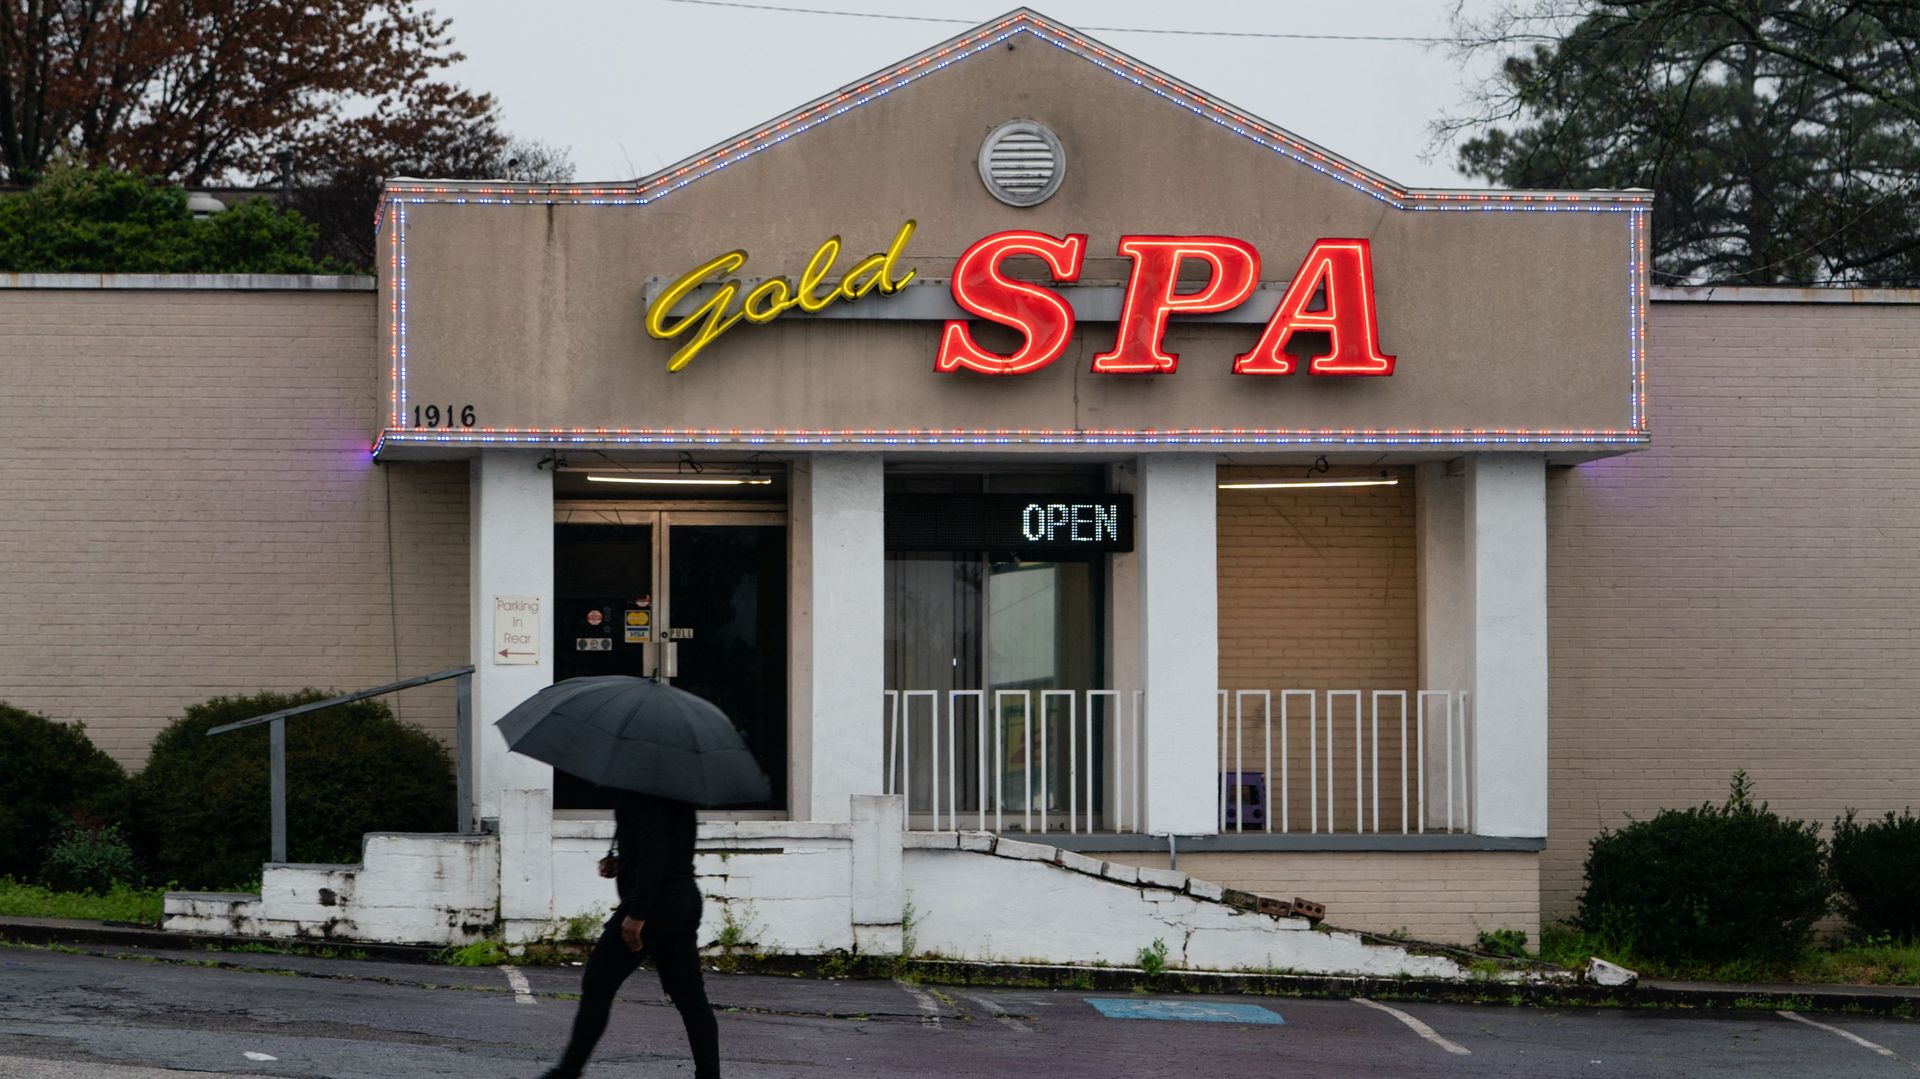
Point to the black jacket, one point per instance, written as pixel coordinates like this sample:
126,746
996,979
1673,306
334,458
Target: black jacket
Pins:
654,837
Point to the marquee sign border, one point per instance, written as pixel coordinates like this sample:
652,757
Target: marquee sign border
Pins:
1634,207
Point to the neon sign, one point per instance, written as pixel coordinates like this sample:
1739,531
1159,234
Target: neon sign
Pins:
1336,272
771,298
1038,312
1152,295
1331,297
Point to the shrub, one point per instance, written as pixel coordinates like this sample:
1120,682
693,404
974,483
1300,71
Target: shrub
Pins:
1507,942
1876,868
50,775
89,858
201,804
100,220
1708,884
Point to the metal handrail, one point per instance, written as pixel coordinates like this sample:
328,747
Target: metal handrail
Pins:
277,744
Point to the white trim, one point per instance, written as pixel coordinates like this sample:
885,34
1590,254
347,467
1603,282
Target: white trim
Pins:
1019,20
1765,294
191,282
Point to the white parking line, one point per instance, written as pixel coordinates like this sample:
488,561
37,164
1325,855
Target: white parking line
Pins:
1854,1038
927,1004
1418,1027
993,1008
522,992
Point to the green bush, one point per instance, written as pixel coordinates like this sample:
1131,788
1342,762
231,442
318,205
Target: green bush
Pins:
99,220
201,805
90,858
1708,884
51,774
1876,869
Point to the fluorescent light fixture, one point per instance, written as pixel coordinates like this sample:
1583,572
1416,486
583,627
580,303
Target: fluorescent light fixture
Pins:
686,481
1288,485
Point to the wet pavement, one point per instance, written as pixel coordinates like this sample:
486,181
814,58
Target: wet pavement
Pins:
127,1014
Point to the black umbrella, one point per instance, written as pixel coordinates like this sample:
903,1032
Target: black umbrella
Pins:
637,734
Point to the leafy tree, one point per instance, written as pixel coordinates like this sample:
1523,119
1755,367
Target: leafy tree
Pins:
1781,138
338,185
197,89
105,221
321,99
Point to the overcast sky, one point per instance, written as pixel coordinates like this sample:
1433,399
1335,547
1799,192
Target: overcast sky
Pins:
628,86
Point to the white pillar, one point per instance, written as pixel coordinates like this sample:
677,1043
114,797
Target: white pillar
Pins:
1179,641
1506,568
879,888
839,552
512,557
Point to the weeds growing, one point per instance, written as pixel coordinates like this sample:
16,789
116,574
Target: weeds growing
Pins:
121,903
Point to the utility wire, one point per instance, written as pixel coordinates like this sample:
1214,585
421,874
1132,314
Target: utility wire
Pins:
1090,29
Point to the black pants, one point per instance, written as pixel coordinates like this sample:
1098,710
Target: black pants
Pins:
672,941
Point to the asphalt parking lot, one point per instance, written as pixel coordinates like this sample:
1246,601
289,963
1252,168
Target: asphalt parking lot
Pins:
151,1015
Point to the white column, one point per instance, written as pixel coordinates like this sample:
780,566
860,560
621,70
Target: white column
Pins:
879,888
1506,563
839,552
1179,641
512,556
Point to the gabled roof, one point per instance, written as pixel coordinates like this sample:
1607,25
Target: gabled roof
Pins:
826,108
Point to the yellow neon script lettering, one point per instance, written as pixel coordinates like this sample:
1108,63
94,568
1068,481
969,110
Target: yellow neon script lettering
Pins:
770,298
717,321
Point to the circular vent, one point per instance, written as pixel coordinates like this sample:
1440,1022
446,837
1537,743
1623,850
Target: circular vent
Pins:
1022,163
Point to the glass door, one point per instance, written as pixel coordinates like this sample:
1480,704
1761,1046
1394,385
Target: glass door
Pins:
695,598
726,635
1017,630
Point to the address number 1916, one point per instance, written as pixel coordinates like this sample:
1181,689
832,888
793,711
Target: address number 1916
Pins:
432,416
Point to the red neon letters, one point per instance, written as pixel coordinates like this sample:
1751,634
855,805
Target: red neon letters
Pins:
1038,312
1152,295
1345,268
1337,272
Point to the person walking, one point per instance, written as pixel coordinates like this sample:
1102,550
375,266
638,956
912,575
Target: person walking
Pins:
658,916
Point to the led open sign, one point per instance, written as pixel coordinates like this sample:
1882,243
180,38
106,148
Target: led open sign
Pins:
1039,524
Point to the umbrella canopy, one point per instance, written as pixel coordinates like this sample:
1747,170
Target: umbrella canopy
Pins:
637,734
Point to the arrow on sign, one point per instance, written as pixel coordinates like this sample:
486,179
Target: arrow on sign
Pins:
504,653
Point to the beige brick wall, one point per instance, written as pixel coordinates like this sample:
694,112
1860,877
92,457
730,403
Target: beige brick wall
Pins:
1444,896
1745,593
188,508
1318,591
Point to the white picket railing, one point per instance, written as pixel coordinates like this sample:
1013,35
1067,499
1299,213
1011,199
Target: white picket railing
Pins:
1428,746
963,758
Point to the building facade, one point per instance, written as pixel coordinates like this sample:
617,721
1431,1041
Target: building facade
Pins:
1061,477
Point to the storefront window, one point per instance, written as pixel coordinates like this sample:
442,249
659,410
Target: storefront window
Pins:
1013,627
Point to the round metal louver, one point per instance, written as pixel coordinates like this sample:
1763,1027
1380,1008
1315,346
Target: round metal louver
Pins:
1022,163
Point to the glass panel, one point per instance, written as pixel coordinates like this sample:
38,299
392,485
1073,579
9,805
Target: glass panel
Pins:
727,586
1044,632
603,578
934,618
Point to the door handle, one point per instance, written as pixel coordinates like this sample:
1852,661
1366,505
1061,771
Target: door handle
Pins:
670,659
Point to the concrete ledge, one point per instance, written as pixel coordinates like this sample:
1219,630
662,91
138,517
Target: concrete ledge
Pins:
930,840
1025,852
1769,294
1171,879
120,935
1845,999
192,282
1261,841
